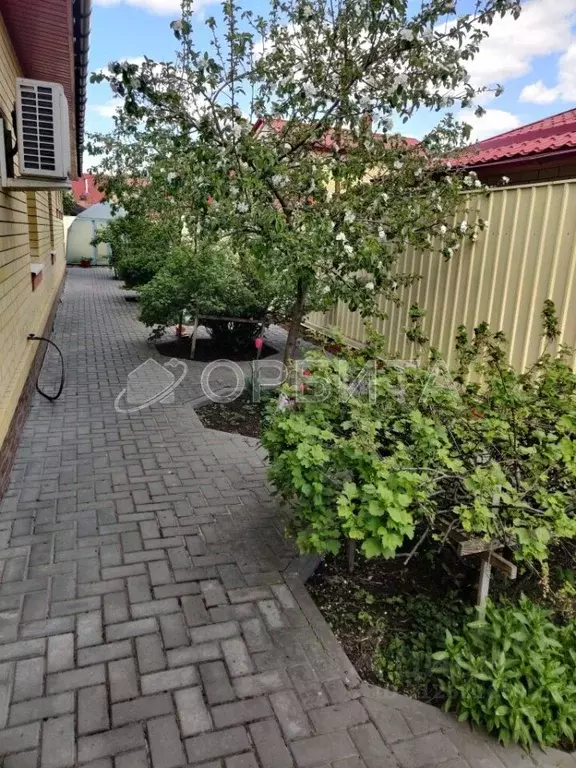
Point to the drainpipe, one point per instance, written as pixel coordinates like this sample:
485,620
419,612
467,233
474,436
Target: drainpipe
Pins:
81,12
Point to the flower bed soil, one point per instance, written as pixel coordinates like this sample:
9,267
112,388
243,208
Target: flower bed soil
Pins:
241,416
207,351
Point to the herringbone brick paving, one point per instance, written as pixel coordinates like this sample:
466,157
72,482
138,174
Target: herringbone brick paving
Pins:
149,611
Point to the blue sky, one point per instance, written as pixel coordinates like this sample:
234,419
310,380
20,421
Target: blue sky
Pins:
533,58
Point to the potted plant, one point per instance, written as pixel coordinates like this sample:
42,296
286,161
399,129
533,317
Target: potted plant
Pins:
85,262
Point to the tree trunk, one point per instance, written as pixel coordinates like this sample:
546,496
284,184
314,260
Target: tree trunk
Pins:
295,322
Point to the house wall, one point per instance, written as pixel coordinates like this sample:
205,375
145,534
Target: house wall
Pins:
526,255
31,227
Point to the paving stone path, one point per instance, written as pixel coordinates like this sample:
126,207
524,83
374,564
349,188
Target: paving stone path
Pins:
150,611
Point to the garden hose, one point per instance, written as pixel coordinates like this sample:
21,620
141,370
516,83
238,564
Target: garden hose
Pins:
51,398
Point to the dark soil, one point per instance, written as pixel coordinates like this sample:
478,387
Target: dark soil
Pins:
207,351
241,416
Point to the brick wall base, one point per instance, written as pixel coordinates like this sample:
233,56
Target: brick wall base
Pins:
10,445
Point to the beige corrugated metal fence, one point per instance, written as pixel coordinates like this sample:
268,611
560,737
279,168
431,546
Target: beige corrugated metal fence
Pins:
526,255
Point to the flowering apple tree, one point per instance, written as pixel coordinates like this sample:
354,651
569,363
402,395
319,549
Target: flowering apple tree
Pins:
280,137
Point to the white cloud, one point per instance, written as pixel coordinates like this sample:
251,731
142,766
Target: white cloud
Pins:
538,93
105,110
544,28
565,89
495,121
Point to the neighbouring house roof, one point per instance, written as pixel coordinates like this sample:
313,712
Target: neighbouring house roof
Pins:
51,41
86,192
541,139
326,144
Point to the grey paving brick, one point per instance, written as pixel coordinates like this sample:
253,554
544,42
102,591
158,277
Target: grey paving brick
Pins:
76,678
131,629
93,710
236,612
150,654
101,587
169,680
124,571
237,657
181,657
29,679
35,607
155,608
111,742
216,682
176,590
165,745
338,716
213,593
292,718
389,721
272,614
60,652
195,611
174,632
58,745
89,629
22,649
417,752
27,759
370,745
142,708
318,750
105,652
208,746
39,709
238,712
159,573
249,594
123,679
263,682
69,607
210,632
116,608
246,760
256,635
19,739
42,629
192,712
138,759
270,746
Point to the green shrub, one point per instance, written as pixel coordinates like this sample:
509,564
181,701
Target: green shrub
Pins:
490,450
513,674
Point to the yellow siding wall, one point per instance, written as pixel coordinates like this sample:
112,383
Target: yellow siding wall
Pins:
24,239
526,255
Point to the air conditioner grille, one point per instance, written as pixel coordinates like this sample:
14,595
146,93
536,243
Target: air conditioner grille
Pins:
38,127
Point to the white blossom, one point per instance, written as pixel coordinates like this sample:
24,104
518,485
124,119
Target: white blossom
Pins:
349,217
505,180
468,181
406,34
443,229
398,165
418,172
369,286
326,290
477,183
279,180
464,227
348,248
382,234
171,177
178,25
341,237
448,179
384,196
242,207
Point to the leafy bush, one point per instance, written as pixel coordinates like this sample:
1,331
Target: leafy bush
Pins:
209,281
371,448
513,674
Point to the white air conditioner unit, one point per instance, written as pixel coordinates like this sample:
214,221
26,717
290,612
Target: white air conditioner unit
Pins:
43,132
42,137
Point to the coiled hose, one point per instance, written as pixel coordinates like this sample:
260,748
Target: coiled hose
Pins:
51,398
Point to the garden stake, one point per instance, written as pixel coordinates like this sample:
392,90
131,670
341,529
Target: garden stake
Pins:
193,339
351,548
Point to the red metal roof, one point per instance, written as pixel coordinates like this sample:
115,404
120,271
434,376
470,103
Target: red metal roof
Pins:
85,191
326,143
544,137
